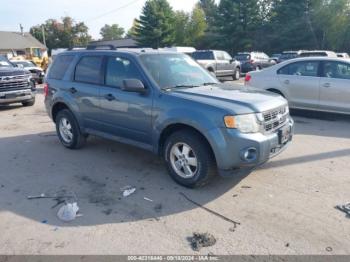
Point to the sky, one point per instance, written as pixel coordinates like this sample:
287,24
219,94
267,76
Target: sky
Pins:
95,13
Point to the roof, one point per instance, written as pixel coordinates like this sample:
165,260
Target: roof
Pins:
125,42
135,51
17,40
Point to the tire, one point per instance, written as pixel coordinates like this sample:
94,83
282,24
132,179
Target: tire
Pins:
29,102
236,74
258,68
198,150
69,129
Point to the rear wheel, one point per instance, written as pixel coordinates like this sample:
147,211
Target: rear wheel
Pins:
29,102
68,130
189,159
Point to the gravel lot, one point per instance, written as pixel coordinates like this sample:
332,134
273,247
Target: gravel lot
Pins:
284,207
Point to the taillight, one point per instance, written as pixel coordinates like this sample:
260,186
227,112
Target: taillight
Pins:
247,78
46,89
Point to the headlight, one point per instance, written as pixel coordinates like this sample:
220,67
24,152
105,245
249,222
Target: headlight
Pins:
245,123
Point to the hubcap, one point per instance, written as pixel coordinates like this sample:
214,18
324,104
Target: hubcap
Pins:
65,129
183,160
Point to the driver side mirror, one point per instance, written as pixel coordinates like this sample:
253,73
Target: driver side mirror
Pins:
232,60
133,85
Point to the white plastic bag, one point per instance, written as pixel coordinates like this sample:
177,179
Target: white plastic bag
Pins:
68,212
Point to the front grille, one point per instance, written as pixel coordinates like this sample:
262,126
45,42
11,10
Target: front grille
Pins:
275,118
13,82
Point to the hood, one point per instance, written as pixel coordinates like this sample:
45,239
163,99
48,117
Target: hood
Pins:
237,99
12,71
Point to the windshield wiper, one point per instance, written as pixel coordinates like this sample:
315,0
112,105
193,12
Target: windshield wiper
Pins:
179,86
209,83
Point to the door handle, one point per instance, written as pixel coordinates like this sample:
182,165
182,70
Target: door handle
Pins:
286,82
110,97
73,90
327,85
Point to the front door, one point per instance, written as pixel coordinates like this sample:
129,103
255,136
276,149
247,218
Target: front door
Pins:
335,87
127,115
300,82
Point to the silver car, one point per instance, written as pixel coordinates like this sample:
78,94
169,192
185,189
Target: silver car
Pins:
314,83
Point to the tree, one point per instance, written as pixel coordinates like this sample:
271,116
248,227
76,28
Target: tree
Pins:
196,27
156,24
112,32
132,31
181,22
210,9
62,34
236,24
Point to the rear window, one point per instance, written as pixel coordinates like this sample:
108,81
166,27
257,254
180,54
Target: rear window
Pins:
203,55
88,70
60,66
313,54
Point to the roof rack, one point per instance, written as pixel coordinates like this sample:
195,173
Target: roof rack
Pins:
101,47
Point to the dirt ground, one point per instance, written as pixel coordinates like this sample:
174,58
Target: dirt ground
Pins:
284,207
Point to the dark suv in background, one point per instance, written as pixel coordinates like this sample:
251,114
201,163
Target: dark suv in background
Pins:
218,62
168,104
252,61
16,84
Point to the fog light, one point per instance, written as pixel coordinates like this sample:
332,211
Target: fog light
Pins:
249,154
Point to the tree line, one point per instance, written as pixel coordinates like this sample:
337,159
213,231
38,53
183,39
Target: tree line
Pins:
231,25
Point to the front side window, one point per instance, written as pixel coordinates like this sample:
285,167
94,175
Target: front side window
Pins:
227,56
88,70
175,70
305,68
336,70
220,55
119,69
60,66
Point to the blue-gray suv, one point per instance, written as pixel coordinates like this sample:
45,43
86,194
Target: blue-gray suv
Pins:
166,103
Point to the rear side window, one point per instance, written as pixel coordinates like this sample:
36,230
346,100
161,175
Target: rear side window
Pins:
60,66
88,70
305,68
207,55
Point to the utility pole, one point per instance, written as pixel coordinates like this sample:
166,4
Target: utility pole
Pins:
21,27
43,31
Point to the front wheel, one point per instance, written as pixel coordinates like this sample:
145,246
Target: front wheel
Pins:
189,159
237,74
68,130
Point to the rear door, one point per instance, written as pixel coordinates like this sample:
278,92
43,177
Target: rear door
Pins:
85,86
125,114
300,82
335,86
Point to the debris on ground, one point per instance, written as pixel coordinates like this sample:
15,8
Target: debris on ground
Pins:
44,221
128,190
246,187
329,249
287,245
344,208
107,212
235,223
235,195
148,199
199,240
68,212
158,208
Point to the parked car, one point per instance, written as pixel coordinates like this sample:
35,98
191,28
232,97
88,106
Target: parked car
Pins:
168,104
251,61
343,55
219,63
287,55
275,57
317,53
16,85
315,83
38,73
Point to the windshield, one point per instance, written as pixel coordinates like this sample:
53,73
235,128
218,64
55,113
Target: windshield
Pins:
242,57
176,70
206,55
4,62
24,63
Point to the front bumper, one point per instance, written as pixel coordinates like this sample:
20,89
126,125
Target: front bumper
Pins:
230,145
16,96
